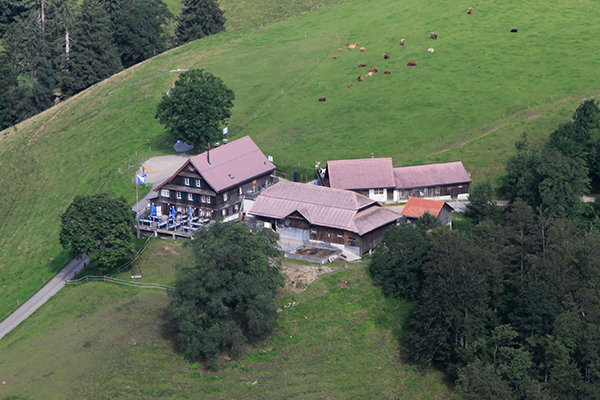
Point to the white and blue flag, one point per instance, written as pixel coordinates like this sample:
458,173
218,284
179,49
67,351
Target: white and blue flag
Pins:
141,179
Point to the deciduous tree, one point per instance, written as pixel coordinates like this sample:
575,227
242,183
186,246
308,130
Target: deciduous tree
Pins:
228,295
100,226
196,107
199,18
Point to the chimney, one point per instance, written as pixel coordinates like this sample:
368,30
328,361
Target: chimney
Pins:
208,155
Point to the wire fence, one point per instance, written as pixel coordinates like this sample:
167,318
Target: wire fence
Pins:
111,278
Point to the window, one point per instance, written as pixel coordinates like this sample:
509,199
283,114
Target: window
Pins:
351,241
340,236
201,212
224,212
240,191
165,193
236,207
190,197
437,190
178,195
254,186
225,196
378,191
208,214
199,183
186,181
209,199
203,199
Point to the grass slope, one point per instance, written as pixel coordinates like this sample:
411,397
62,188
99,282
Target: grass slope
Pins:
450,107
111,342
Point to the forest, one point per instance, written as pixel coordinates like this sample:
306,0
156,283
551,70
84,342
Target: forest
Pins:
508,302
53,49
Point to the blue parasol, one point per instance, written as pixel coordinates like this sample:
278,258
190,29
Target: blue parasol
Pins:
153,213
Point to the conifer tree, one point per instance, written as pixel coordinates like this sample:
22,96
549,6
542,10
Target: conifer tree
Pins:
93,54
198,19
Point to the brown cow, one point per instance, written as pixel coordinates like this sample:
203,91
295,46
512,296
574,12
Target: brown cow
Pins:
360,78
339,49
433,35
403,42
385,56
322,99
362,49
348,44
387,72
362,65
470,10
334,57
349,86
373,70
353,46
411,64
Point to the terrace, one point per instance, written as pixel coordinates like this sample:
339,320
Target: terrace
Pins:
179,226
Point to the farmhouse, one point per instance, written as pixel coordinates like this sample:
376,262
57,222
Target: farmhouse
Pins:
303,214
216,182
380,181
415,208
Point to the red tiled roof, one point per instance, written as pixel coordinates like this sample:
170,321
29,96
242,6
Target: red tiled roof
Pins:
323,206
415,207
431,175
367,173
230,164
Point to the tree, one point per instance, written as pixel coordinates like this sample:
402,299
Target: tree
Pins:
139,30
198,19
196,107
481,206
100,226
93,56
228,296
480,381
397,263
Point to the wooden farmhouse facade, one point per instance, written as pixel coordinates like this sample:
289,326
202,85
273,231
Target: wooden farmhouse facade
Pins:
416,207
304,214
377,179
216,182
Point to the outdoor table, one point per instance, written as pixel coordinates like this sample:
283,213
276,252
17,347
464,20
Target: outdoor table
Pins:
162,224
196,224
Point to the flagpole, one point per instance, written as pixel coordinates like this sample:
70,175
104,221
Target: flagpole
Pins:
137,211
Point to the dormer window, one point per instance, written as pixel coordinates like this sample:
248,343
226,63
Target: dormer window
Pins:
231,176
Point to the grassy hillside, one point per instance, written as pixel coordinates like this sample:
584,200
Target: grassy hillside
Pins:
450,107
111,342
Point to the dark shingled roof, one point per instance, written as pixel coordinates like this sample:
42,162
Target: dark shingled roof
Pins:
323,206
417,176
367,173
230,164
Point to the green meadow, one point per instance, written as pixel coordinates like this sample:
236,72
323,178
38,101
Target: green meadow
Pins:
112,342
469,101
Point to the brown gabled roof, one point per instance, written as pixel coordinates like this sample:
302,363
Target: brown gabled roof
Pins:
230,165
367,173
415,207
431,175
323,206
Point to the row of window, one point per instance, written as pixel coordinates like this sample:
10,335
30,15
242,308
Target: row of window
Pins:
230,210
188,196
199,183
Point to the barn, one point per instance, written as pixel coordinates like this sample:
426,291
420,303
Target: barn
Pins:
304,214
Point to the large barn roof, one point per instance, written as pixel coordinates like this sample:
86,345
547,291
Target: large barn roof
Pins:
367,173
323,206
230,164
417,176
415,207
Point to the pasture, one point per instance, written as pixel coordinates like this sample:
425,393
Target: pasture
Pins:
112,342
469,100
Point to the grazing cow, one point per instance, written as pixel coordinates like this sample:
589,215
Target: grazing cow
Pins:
348,44
360,78
470,10
514,30
353,46
433,35
334,57
339,49
373,70
322,99
362,49
362,65
387,73
402,42
368,75
349,86
411,64
385,56
430,49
